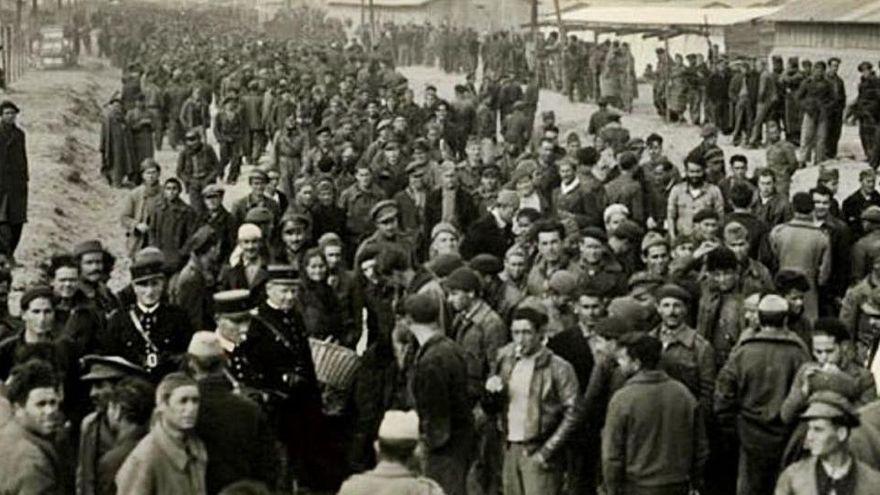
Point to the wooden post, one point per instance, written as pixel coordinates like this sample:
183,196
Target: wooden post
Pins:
372,26
563,38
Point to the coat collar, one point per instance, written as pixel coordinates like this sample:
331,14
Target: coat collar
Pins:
176,450
648,376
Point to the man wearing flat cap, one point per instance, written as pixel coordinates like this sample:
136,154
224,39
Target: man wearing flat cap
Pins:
258,180
492,233
218,218
386,218
596,265
831,468
191,288
96,435
198,166
171,223
13,180
236,433
687,356
440,376
151,333
534,457
750,390
395,450
139,204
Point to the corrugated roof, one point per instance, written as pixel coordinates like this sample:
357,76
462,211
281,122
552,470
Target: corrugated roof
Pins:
829,11
382,3
660,16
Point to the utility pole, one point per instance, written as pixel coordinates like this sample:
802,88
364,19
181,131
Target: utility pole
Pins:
372,26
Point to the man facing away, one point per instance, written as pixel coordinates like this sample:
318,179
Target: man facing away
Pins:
654,441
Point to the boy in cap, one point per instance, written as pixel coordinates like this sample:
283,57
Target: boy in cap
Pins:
396,450
750,390
830,420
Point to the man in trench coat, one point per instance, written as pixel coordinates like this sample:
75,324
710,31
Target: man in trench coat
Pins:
13,179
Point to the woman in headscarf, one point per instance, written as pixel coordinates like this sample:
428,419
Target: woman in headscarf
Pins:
320,306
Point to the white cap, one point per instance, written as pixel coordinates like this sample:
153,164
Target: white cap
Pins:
205,345
249,231
399,425
771,303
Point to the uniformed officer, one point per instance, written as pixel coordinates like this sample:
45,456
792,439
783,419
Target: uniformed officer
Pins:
386,218
232,312
278,350
150,333
395,449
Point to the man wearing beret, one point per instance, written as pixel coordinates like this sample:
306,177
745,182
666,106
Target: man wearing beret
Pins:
831,468
13,180
440,378
750,390
197,166
150,333
536,420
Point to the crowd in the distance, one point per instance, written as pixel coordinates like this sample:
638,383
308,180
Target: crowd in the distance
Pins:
555,312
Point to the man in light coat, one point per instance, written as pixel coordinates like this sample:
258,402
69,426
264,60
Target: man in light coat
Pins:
802,246
170,459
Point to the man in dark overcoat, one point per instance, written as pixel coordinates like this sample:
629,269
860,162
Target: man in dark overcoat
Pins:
13,179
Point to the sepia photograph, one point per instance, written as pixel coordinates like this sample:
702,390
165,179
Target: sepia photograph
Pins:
439,247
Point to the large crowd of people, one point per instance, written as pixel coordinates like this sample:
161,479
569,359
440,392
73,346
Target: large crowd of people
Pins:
438,296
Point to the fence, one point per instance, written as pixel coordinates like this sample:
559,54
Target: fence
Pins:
13,57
